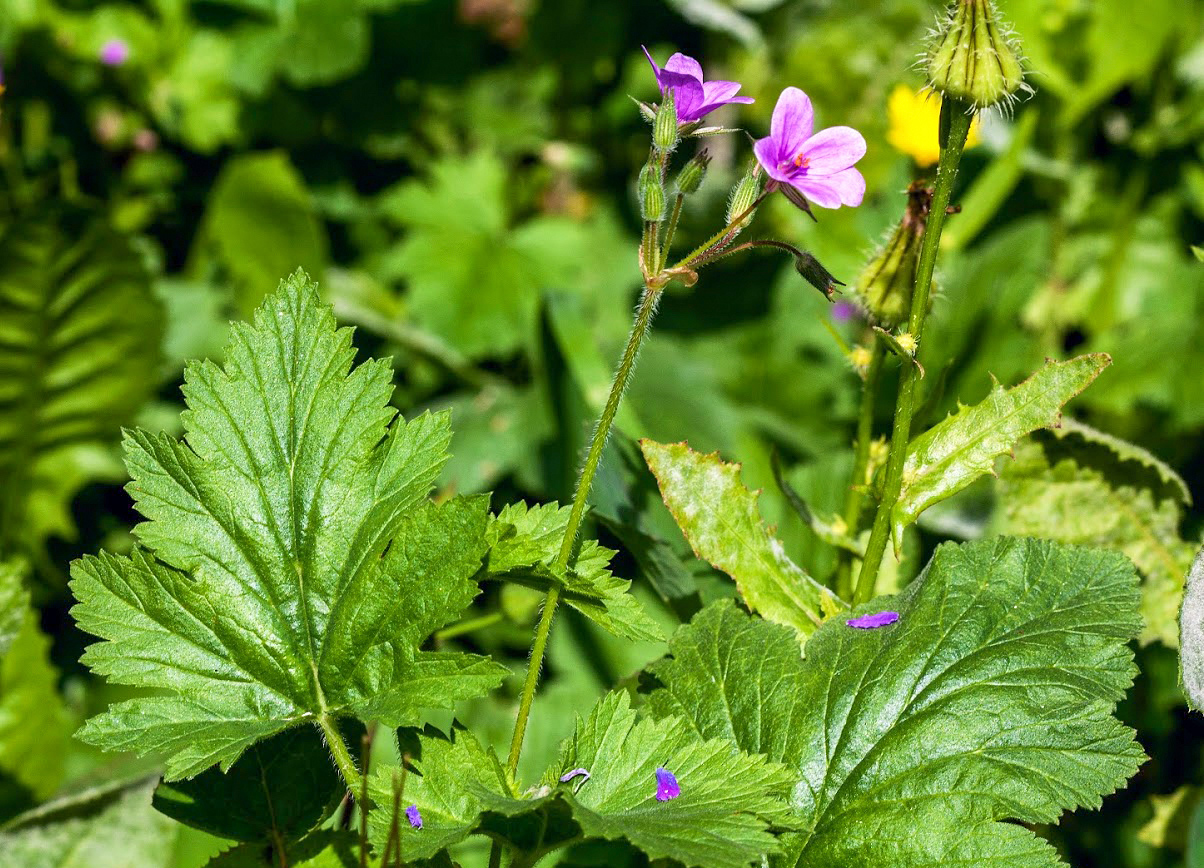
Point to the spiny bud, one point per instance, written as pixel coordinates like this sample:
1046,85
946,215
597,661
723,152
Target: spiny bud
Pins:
885,286
815,274
689,179
971,59
743,195
664,128
652,193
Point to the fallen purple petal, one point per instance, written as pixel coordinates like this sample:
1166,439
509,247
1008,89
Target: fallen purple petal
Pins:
414,817
114,52
869,622
568,776
666,785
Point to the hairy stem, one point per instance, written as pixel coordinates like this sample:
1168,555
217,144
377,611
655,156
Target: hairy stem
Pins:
959,117
671,229
338,750
855,496
722,236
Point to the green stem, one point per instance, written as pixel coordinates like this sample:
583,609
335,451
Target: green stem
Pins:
722,233
855,496
672,228
338,749
959,118
471,625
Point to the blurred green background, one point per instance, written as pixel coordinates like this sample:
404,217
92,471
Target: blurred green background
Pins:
458,175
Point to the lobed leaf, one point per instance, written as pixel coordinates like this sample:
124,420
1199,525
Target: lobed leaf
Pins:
953,453
719,517
291,562
989,701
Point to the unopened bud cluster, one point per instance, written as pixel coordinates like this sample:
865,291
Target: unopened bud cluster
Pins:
971,58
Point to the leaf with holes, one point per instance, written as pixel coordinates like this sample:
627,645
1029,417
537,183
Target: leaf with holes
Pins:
291,562
79,343
989,700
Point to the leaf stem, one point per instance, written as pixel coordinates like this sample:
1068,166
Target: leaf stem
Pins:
671,229
855,496
721,237
469,625
338,750
959,117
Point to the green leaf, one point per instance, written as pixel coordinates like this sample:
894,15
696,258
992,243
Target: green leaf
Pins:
276,792
720,819
989,701
1064,489
324,849
720,519
953,453
1191,634
261,223
79,342
524,544
35,729
111,827
292,562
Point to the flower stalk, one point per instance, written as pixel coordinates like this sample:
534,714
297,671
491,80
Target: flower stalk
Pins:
855,497
957,116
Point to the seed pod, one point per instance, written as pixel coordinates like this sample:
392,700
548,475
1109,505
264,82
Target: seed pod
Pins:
744,194
652,193
885,286
689,179
664,128
970,59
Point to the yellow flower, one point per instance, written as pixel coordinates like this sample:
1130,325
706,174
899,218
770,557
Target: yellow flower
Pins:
913,121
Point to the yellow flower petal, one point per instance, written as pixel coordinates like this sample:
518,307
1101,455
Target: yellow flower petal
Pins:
913,121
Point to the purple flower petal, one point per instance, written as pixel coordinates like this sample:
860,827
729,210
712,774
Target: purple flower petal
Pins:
833,150
832,191
869,622
666,785
114,52
843,311
793,118
766,151
685,65
568,776
414,817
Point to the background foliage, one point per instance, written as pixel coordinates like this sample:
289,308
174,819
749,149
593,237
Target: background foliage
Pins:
456,174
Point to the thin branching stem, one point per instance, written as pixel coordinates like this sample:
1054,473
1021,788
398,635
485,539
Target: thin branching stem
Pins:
855,496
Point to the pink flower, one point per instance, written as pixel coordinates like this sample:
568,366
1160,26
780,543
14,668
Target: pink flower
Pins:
114,52
819,166
692,97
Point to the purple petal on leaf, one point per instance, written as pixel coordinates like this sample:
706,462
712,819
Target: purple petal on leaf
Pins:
869,622
793,119
832,191
833,150
414,817
568,776
685,65
666,785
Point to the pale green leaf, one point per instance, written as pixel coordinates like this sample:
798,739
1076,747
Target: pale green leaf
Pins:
35,728
1126,451
1057,489
1191,634
989,701
112,827
719,820
292,564
524,544
956,451
79,344
720,518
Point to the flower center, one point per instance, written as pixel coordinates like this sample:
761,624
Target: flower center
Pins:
800,162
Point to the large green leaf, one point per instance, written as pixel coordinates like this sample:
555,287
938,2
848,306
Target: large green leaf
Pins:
720,519
524,544
990,700
1191,634
1068,489
719,820
292,562
953,453
79,345
34,726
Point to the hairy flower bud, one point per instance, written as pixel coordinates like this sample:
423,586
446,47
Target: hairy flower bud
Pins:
884,287
652,193
664,128
744,194
689,179
971,59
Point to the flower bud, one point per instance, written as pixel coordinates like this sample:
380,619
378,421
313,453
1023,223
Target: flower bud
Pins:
815,274
884,287
971,59
664,128
744,194
652,193
689,179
